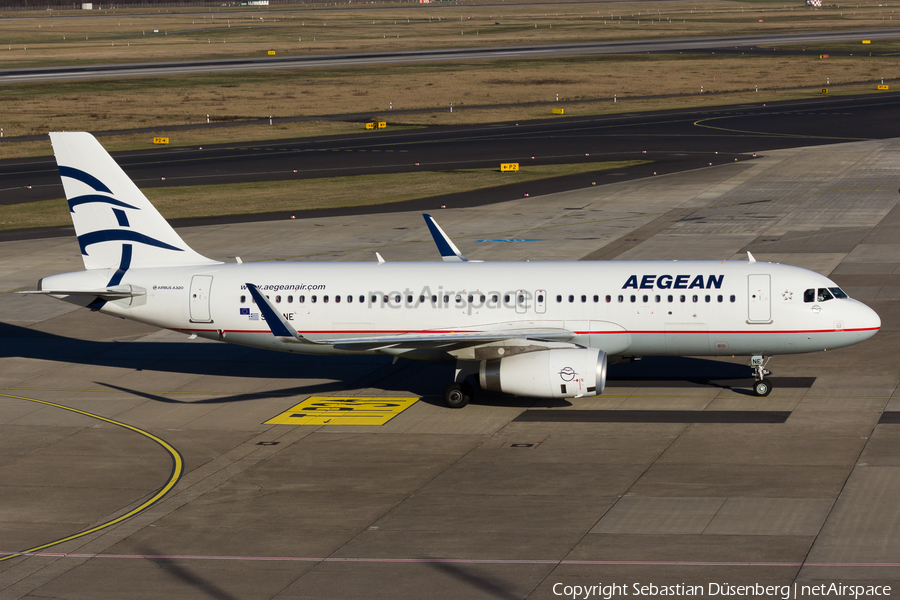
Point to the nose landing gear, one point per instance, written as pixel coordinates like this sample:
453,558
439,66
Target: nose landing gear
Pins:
763,386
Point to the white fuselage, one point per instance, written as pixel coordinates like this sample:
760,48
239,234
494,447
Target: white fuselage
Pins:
625,308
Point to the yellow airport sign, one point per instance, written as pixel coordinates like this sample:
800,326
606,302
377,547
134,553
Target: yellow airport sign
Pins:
160,140
271,53
867,41
344,410
883,86
382,125
558,111
370,125
824,90
509,167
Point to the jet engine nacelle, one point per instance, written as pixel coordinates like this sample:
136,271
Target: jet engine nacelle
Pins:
560,373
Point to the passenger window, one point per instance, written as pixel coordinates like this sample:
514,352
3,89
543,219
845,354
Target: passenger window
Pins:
683,298
482,298
838,293
708,298
446,298
571,298
506,298
421,299
671,298
336,299
809,296
558,298
646,298
349,298
243,299
732,298
658,298
409,299
521,299
695,297
325,298
458,299
290,299
720,298
609,299
633,298
824,295
312,299
621,298
495,298
278,299
301,299
583,298
363,299
397,298
434,299
596,298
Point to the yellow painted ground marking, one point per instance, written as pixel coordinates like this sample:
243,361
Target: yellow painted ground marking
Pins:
177,470
344,410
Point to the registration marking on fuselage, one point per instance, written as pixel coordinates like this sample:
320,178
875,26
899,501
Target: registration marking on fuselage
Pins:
344,410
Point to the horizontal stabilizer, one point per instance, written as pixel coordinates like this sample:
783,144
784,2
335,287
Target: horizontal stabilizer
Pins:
116,292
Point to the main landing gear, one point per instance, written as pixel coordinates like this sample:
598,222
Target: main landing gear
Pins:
763,386
460,392
458,395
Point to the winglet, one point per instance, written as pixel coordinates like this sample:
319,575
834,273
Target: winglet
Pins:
448,250
277,324
380,259
750,257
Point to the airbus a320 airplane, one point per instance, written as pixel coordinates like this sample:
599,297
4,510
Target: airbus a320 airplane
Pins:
538,329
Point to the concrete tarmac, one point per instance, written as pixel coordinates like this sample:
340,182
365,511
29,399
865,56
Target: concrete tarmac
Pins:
502,499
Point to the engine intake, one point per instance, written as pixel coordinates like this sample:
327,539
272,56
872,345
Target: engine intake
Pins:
559,373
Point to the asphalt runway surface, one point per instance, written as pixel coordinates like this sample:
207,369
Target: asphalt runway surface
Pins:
676,475
424,56
674,140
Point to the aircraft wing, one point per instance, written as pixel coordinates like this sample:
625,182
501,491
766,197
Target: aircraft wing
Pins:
445,339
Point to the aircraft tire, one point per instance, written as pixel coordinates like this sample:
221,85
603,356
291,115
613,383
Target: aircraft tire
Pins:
762,387
455,395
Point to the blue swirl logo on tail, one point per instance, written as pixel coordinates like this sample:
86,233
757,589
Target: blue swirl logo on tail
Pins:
107,235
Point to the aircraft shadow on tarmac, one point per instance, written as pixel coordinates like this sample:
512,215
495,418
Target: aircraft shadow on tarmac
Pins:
336,373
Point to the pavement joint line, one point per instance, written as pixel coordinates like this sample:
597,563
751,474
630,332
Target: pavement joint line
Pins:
174,477
717,396
477,561
593,221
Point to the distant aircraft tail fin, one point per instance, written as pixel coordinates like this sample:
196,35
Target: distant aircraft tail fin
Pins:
117,227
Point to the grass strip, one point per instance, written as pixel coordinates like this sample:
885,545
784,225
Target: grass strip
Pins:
306,194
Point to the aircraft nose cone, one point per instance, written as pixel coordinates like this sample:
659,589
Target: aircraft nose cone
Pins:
868,322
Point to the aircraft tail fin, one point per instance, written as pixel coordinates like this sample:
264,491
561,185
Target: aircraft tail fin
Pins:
117,227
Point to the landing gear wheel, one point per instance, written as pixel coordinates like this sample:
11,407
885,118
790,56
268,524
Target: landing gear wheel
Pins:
455,395
762,387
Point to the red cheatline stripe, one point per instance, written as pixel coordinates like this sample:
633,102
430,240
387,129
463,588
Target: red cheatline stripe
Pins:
647,332
491,561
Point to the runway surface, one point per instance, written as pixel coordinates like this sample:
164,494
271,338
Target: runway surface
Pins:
194,67
674,140
676,475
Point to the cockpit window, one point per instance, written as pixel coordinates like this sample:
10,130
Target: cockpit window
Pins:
824,295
